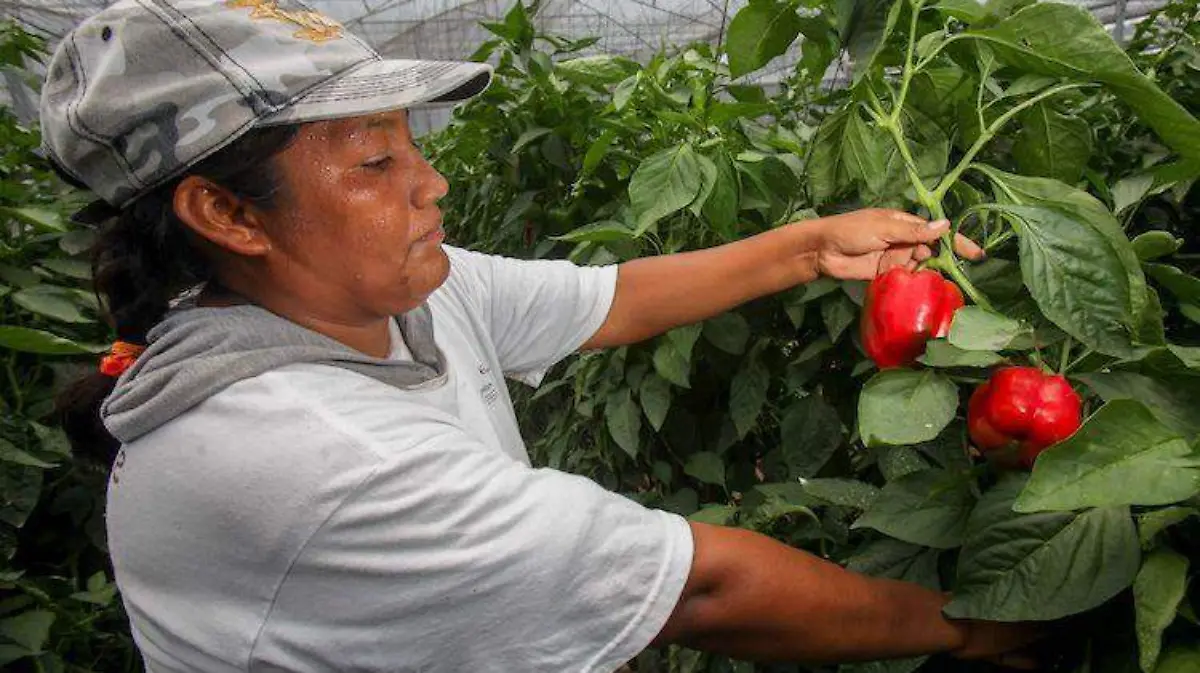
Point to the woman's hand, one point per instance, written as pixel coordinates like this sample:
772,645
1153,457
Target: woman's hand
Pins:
863,243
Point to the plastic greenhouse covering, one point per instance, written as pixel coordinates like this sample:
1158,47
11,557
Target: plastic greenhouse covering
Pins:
450,29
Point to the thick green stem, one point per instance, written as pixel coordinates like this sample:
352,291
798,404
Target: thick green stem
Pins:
946,262
18,394
990,132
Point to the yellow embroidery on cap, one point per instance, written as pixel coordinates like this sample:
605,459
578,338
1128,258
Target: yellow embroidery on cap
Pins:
314,27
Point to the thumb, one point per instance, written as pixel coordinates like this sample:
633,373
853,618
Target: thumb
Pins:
918,232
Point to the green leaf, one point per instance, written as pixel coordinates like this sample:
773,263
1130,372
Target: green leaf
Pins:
1078,275
655,395
728,331
1067,41
1130,191
624,421
528,137
1157,592
1180,659
9,453
810,433
1150,245
29,630
44,221
893,559
599,70
967,11
838,312
707,467
625,90
717,515
721,207
1150,524
71,268
665,183
978,329
864,26
597,151
1018,567
29,340
50,301
939,353
928,508
708,180
1052,145
841,492
1122,455
671,364
901,406
758,33
748,393
1174,401
900,461
598,232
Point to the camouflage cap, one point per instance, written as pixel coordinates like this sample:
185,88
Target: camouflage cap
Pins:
145,88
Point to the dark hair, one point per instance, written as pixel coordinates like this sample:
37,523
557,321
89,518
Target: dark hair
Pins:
145,257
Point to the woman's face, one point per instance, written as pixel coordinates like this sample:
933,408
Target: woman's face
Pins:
358,222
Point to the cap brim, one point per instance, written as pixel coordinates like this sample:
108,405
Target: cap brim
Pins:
378,86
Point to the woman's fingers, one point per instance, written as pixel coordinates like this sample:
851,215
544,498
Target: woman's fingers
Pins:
965,247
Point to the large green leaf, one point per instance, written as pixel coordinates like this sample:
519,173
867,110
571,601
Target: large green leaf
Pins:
758,33
810,433
845,150
928,508
864,27
1175,401
1078,275
624,421
29,340
1052,145
978,329
665,183
1157,591
672,364
1017,567
9,453
27,632
897,560
841,492
1151,524
748,392
721,206
1121,456
52,302
1067,41
600,69
939,353
20,486
901,406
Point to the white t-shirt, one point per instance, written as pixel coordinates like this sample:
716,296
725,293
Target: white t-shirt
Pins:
313,519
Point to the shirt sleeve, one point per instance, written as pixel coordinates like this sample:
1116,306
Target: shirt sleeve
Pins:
538,311
452,554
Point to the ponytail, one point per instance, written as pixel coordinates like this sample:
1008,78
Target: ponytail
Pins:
144,258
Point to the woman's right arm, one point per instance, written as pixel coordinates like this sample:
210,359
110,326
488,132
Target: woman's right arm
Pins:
750,597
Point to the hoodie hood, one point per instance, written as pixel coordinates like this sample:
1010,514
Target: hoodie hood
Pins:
197,352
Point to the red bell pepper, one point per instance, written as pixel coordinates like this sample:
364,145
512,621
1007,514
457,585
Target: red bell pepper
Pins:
903,310
1025,408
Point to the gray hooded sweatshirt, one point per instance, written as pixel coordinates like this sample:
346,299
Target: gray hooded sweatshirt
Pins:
284,503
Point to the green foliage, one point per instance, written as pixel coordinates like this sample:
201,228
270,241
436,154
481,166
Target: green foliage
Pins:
1071,159
58,606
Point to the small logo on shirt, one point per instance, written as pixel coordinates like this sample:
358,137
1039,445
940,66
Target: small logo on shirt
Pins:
488,391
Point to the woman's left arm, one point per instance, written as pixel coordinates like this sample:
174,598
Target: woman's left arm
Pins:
655,294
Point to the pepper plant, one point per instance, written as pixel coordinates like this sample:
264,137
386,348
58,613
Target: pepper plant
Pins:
1071,159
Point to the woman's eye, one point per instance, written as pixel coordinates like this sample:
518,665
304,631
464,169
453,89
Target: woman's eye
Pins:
380,164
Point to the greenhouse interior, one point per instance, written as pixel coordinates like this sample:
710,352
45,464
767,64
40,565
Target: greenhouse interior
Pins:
625,336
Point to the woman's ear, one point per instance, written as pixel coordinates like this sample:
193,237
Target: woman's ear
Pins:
222,218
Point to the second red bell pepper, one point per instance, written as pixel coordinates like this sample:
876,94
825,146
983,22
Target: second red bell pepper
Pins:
1024,410
903,310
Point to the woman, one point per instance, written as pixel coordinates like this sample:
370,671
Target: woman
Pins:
319,467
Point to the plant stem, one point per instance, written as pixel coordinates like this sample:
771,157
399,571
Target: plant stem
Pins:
948,263
1087,352
907,75
1065,356
18,394
990,132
